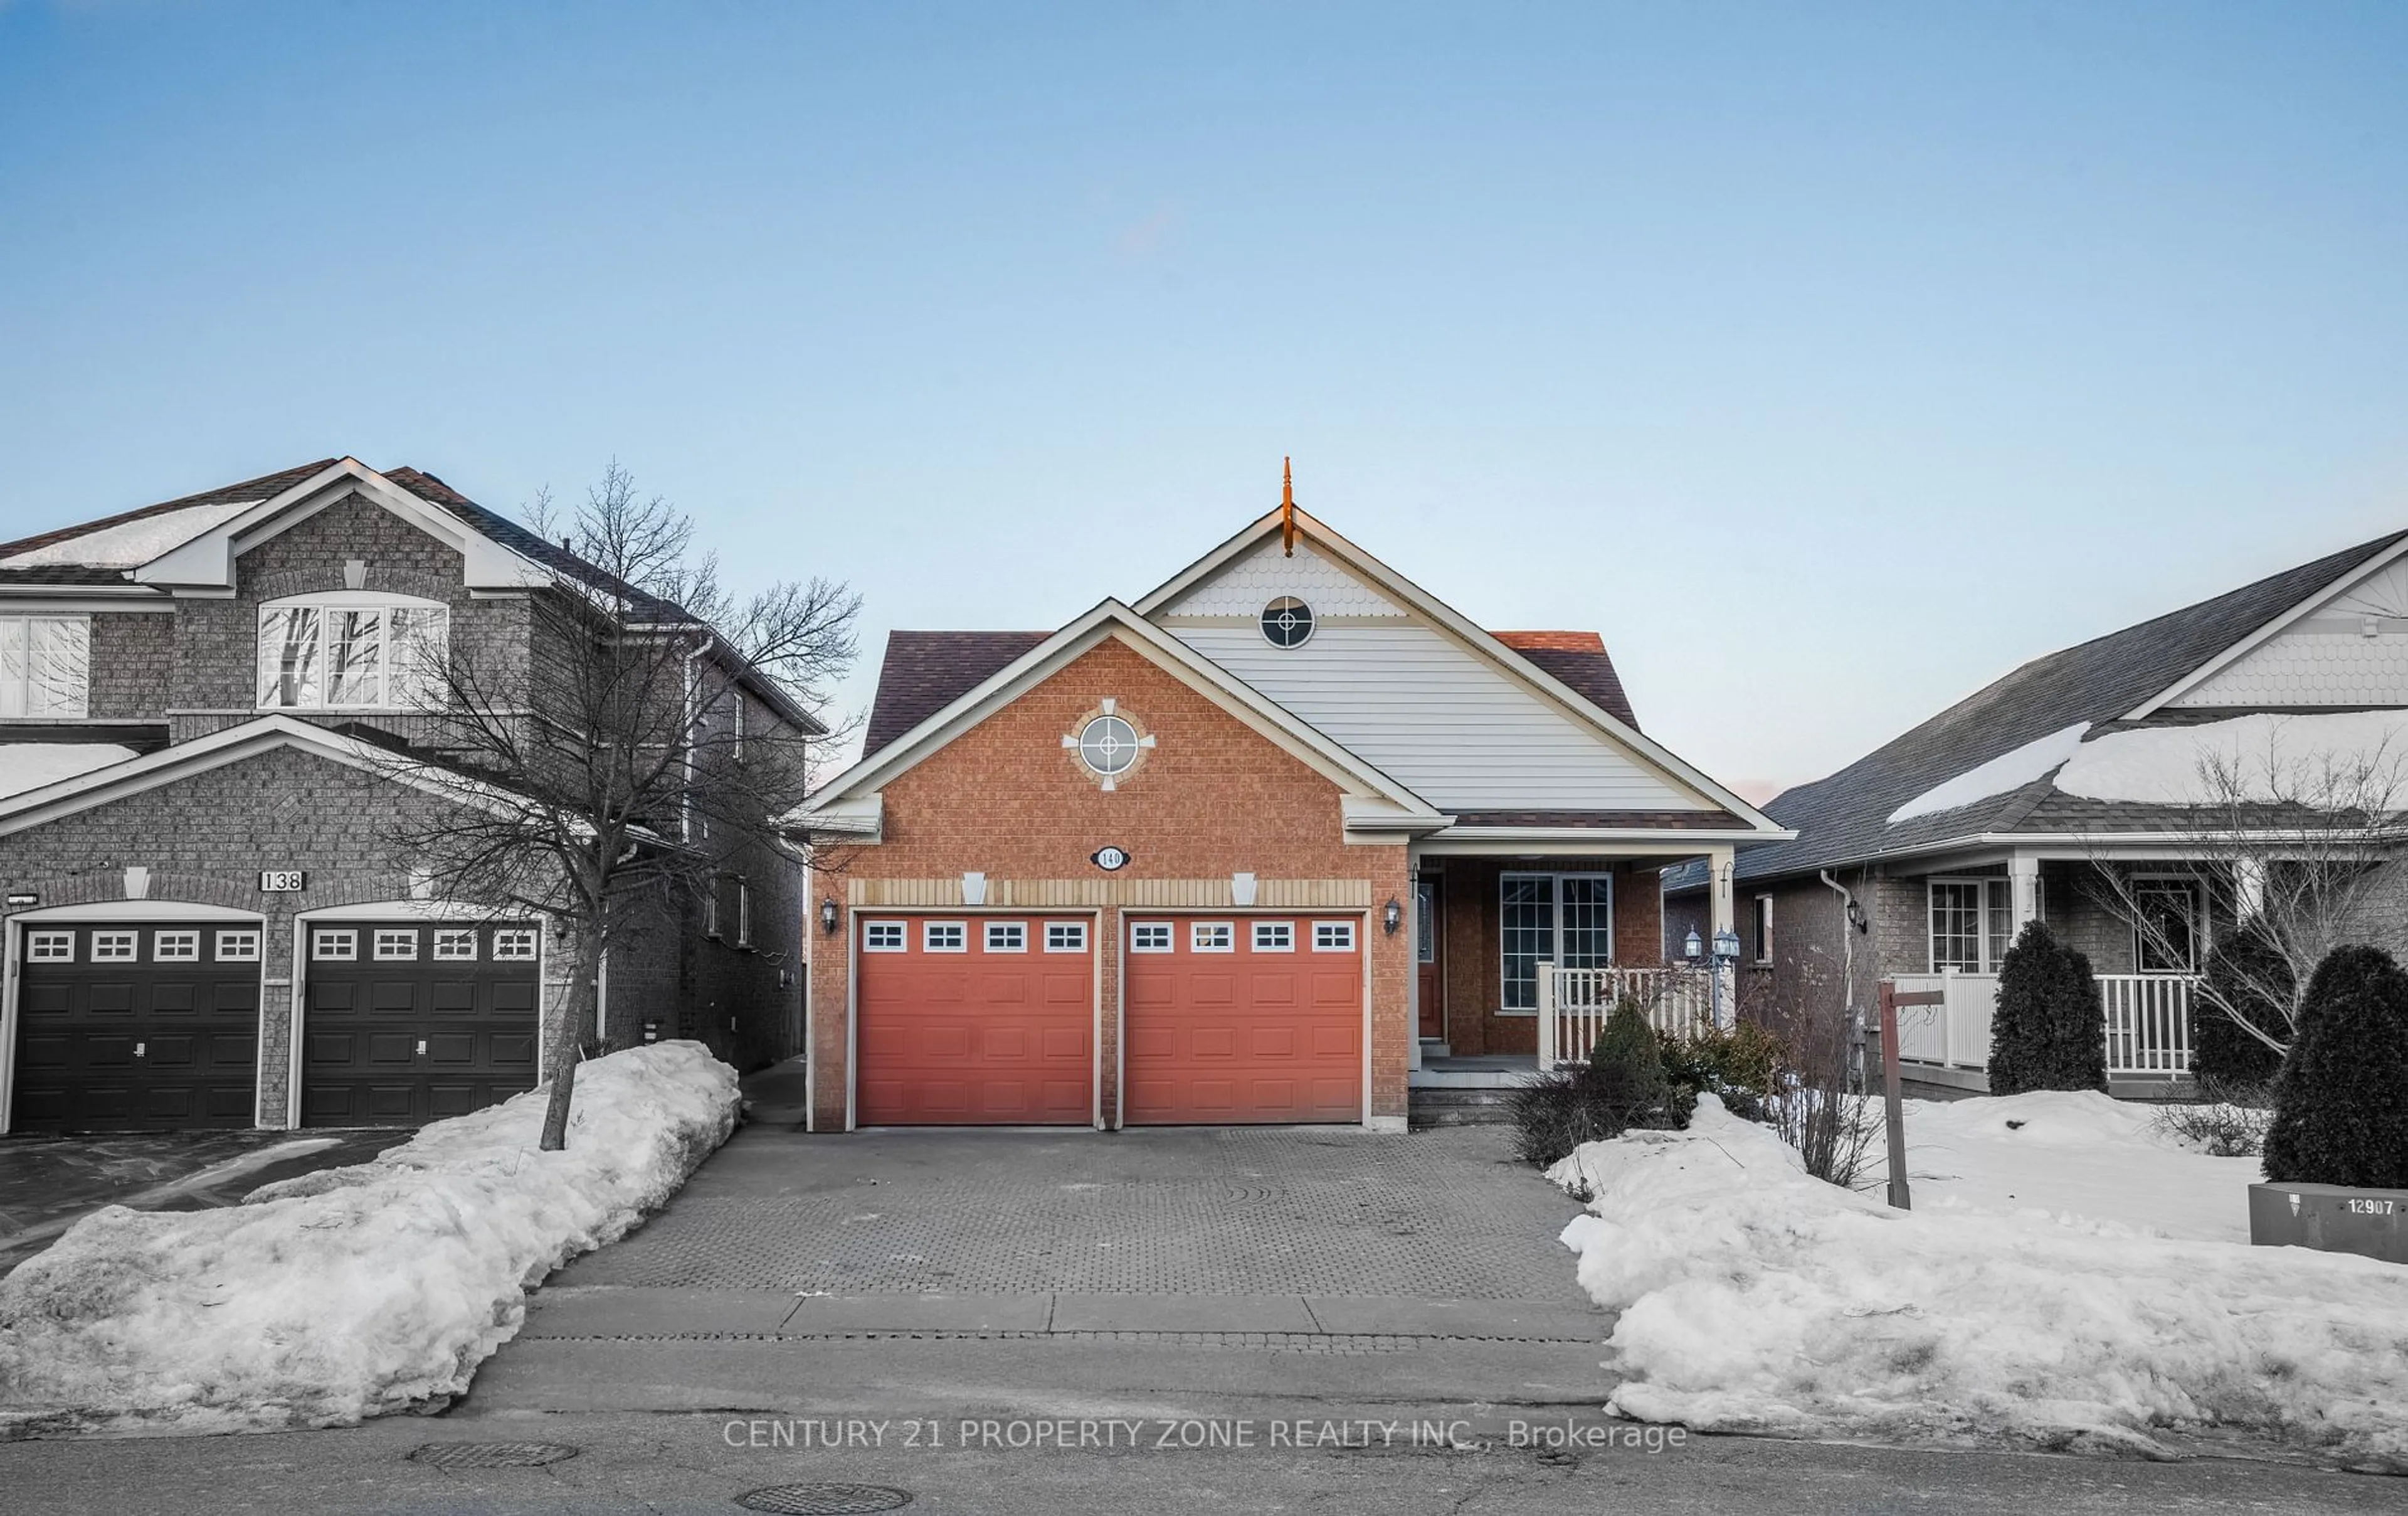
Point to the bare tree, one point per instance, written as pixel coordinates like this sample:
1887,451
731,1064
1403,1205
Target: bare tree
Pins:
2291,849
649,728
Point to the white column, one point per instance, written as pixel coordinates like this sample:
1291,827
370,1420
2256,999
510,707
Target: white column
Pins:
2023,875
1723,916
2248,887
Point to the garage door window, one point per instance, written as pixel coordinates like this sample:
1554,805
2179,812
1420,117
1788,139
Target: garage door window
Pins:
945,937
330,945
51,947
883,937
1213,937
1065,936
112,948
1274,936
455,945
238,946
514,944
1333,936
175,947
397,946
1007,936
1149,937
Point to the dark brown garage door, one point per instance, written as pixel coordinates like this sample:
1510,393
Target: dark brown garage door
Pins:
407,1022
136,1026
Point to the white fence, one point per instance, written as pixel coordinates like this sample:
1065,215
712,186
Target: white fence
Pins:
1573,1004
2147,1021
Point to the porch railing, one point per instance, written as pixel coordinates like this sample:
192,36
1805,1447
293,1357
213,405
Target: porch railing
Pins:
1574,1004
2146,1024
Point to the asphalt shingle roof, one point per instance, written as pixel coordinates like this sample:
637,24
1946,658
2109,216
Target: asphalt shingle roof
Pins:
1579,659
266,486
1845,817
925,672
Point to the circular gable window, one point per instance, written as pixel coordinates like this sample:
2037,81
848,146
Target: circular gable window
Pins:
1287,621
1108,745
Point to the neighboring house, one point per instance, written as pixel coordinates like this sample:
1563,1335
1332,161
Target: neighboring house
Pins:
1241,851
2021,800
201,703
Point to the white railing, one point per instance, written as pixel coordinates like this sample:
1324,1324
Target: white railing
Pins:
1574,1004
2147,1023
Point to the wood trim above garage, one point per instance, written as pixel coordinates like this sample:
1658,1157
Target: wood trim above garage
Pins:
1165,894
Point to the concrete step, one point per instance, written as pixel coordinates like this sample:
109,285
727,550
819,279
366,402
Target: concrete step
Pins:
1442,1106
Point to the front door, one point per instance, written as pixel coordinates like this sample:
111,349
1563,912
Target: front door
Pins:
1429,959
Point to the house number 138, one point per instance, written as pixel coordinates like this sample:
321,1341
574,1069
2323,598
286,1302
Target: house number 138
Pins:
282,881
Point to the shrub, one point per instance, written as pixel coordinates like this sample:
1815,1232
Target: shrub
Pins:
2238,972
1623,1085
2338,1115
2049,1031
2228,1119
1737,1065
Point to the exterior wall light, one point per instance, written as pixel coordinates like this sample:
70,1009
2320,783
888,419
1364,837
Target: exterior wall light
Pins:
1726,947
1392,915
1692,946
827,916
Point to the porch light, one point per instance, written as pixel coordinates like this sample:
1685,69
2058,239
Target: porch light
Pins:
1727,946
1692,946
827,916
1392,915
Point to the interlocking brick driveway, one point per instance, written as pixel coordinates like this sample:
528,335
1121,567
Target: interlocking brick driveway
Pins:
1438,1214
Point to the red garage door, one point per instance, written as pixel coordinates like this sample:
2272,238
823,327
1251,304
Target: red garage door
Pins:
1244,1019
968,1020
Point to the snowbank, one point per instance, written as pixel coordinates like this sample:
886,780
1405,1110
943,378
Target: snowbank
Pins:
352,1291
1754,1298
2275,756
2009,771
25,766
130,544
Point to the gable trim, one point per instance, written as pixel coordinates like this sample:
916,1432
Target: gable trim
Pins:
1111,619
2267,632
1420,602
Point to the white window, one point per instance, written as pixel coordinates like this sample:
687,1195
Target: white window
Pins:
2169,927
239,947
1065,936
1007,936
1108,745
1333,936
50,946
1566,919
396,945
945,937
883,937
1213,937
514,944
112,948
455,945
1760,929
45,667
1149,937
743,914
175,947
351,652
1970,920
335,945
1274,936
1287,621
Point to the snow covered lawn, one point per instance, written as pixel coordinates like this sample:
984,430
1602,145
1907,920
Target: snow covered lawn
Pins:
352,1291
1754,1298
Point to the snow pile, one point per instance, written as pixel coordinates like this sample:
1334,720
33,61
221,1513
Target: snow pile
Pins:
2009,771
1754,1298
2275,756
25,766
352,1291
130,544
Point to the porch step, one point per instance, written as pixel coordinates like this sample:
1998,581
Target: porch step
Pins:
1442,1106
1436,1048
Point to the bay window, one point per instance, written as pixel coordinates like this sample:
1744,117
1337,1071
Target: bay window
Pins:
351,652
45,667
1566,919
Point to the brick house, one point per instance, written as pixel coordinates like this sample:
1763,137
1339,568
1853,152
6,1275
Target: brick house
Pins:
1262,845
2069,791
206,920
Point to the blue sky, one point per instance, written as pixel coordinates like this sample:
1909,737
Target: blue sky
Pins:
1829,360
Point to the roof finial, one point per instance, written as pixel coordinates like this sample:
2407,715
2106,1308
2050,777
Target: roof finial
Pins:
1287,508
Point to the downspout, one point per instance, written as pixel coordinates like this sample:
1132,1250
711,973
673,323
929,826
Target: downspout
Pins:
1848,973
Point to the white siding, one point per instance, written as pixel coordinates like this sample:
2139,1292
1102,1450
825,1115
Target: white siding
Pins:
2326,658
1439,719
1251,580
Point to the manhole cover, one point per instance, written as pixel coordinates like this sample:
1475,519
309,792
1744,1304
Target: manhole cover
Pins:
823,1499
492,1454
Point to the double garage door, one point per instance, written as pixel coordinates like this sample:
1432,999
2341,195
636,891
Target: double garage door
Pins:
1227,1021
130,1026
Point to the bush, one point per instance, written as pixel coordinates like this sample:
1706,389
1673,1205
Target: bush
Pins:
2228,1119
1623,1085
2237,973
1737,1065
2340,1117
2049,1032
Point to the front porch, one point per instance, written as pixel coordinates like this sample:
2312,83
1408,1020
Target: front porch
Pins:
2147,1024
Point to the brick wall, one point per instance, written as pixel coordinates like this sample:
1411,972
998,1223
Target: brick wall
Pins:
133,665
1472,963
1211,798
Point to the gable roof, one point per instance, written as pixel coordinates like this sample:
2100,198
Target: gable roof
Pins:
1845,817
1579,659
925,672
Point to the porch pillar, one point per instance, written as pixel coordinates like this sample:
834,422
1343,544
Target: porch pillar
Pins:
1724,916
2023,882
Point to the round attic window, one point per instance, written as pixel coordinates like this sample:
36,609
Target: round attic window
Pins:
1108,745
1287,621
